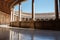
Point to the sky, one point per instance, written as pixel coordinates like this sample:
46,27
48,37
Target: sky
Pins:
40,6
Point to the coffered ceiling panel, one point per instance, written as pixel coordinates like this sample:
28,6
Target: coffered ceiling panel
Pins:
5,5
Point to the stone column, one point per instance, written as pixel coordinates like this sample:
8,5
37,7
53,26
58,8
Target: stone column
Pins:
33,10
11,16
19,11
56,10
32,22
5,17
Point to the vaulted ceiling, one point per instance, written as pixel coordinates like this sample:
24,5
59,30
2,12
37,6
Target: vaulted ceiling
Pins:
6,4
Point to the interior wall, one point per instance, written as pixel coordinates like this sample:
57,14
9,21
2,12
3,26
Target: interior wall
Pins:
4,18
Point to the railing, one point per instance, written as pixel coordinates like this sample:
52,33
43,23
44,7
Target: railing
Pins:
29,34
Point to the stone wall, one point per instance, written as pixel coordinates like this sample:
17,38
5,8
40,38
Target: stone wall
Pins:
42,24
4,18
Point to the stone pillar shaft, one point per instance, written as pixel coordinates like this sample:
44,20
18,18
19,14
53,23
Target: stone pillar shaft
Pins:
32,9
19,12
12,11
56,9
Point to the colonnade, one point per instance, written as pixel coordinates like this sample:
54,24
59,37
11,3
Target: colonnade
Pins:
33,15
19,14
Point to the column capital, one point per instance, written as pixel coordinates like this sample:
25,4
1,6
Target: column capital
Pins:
12,9
19,3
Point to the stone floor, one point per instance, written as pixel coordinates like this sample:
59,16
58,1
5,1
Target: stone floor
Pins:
28,34
4,34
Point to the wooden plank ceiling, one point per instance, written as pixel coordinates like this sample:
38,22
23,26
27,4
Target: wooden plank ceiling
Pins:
5,5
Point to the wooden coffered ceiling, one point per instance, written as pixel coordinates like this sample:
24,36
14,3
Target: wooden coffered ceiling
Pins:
6,4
